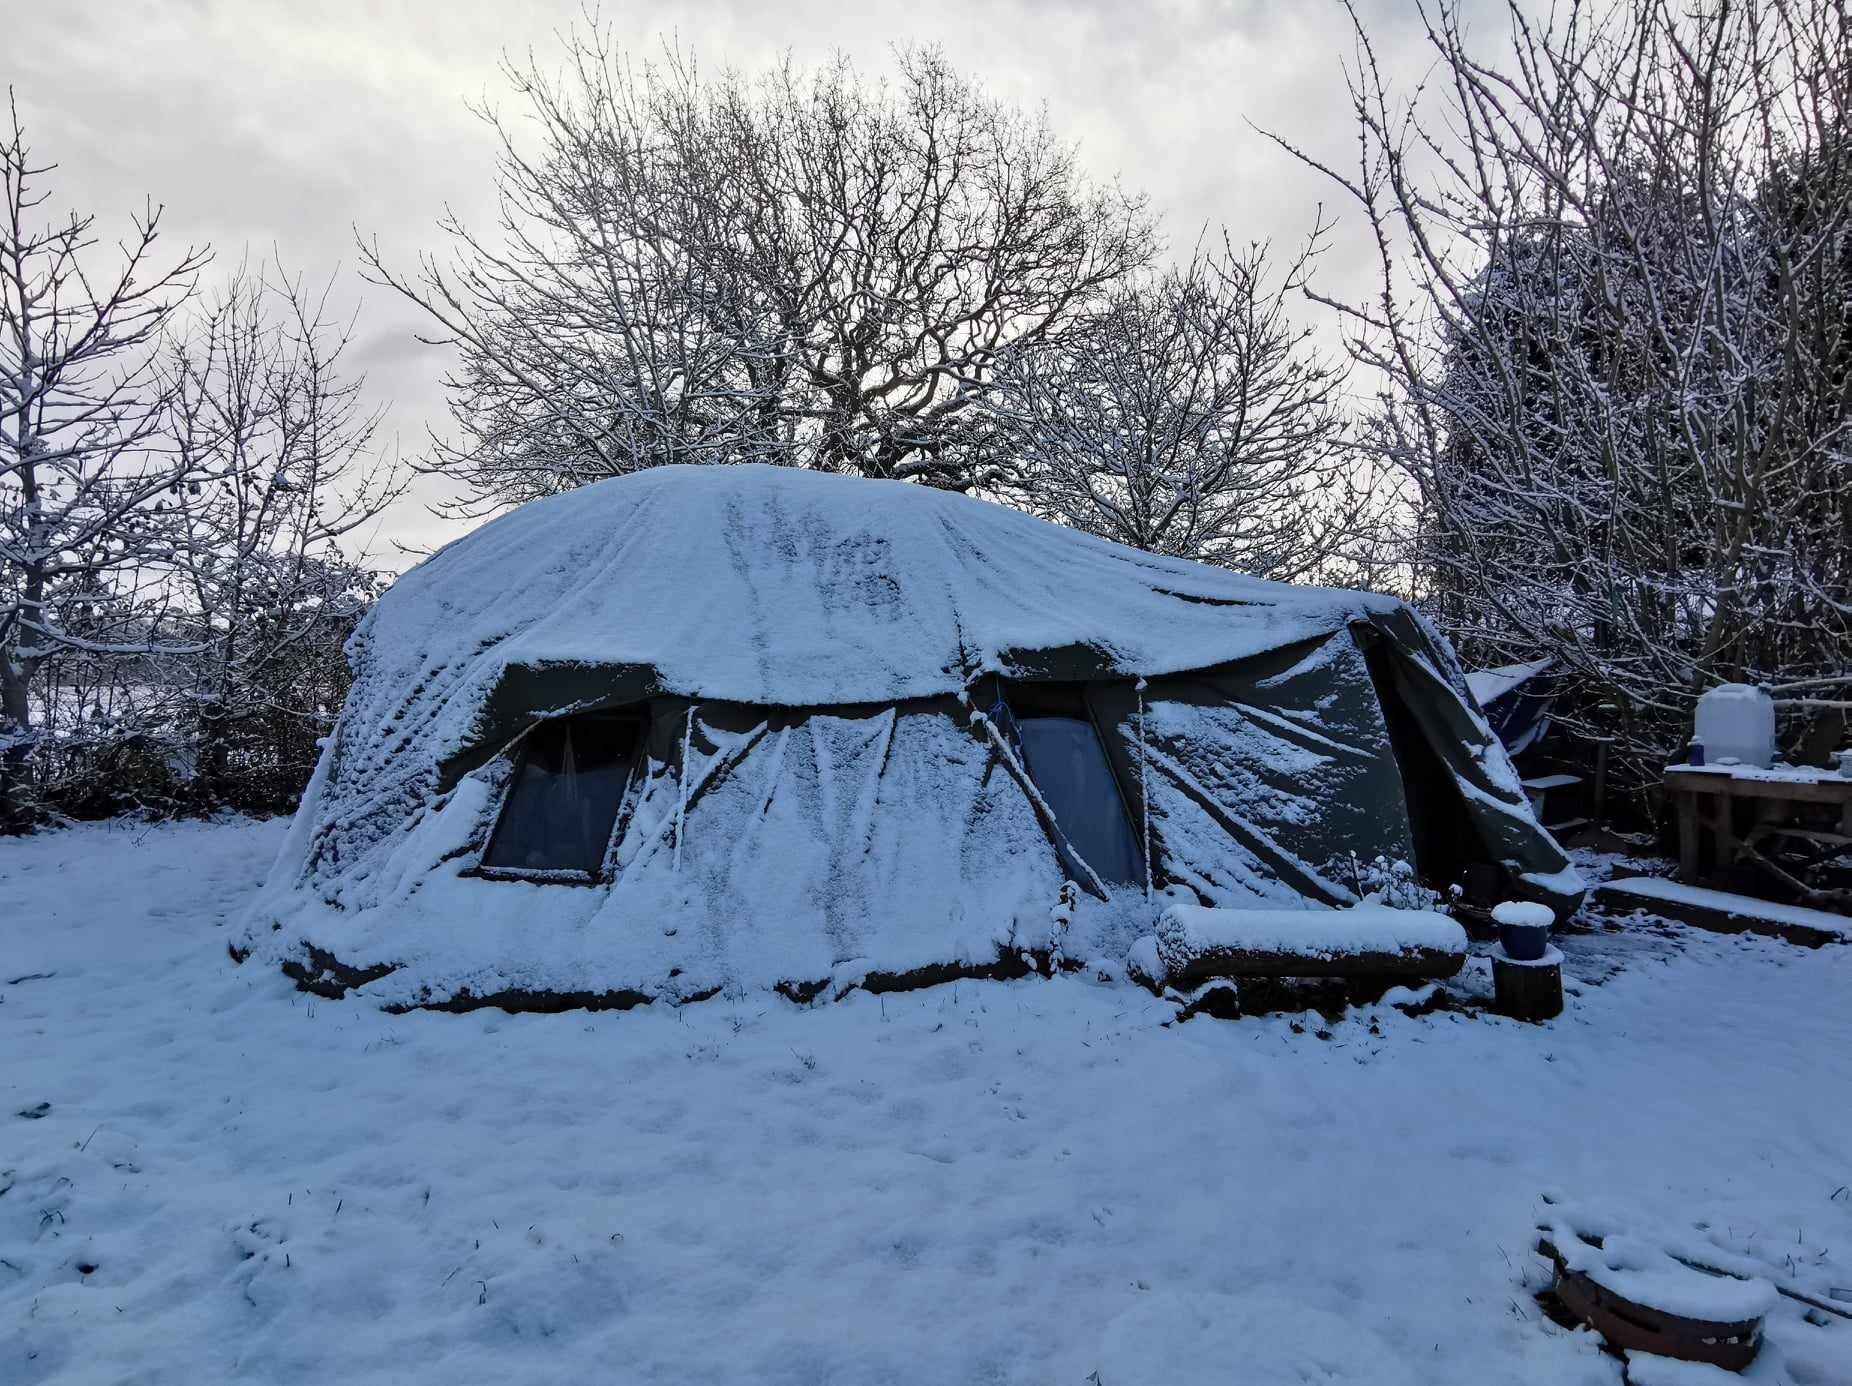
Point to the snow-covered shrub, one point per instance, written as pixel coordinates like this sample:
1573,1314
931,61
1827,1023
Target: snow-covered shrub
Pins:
1391,883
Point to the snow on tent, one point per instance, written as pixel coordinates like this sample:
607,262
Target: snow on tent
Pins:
1516,700
743,727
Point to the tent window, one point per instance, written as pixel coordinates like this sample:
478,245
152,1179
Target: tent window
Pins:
562,805
1069,766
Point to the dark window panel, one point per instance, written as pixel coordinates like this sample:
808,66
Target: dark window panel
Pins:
1069,767
562,806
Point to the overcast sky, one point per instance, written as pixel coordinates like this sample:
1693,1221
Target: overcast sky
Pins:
292,124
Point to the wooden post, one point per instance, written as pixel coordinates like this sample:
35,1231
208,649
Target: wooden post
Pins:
1723,831
1685,806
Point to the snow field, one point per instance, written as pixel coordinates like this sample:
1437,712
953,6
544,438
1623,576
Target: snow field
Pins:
994,1182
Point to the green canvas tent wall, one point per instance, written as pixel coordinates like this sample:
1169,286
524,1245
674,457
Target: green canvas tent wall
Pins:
744,727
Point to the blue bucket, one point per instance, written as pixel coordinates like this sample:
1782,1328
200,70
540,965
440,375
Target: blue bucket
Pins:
1523,929
1524,942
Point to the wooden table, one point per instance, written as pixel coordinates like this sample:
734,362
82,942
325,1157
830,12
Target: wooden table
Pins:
1705,799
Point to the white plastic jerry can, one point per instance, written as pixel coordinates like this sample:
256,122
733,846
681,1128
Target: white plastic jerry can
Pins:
1736,723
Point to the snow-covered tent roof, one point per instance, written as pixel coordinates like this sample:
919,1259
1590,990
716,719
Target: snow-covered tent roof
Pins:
810,645
790,588
1516,701
1489,685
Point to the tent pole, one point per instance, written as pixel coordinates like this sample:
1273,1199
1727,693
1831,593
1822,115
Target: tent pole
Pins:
681,797
1144,791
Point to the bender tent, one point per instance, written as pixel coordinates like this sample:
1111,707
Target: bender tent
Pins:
734,728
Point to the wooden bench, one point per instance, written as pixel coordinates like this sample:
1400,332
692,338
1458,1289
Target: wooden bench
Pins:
1704,799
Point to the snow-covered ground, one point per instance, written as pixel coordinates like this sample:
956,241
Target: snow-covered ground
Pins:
1021,1182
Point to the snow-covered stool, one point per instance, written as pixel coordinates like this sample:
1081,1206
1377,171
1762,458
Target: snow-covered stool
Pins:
1641,1300
1527,973
1528,988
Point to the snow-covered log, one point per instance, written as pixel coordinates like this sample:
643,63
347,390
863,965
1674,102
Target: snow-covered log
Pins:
1196,943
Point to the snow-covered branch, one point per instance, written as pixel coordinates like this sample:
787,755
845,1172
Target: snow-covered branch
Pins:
1614,343
81,458
1188,416
799,268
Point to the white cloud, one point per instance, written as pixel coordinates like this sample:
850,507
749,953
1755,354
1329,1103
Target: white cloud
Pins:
260,124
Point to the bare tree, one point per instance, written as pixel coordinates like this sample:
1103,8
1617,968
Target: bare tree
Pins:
1612,336
1189,416
260,404
80,463
798,268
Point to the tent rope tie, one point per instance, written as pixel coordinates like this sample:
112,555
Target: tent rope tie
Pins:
1144,790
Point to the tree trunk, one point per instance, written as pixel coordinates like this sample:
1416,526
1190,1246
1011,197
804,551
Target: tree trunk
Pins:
15,746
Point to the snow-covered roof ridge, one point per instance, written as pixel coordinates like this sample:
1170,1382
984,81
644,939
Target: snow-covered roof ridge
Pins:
772,585
1489,684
